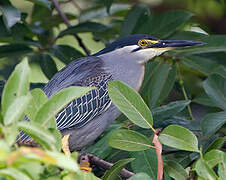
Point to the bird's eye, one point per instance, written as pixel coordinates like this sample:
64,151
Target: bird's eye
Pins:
142,43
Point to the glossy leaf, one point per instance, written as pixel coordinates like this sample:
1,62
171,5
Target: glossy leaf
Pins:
44,3
213,122
139,176
145,161
65,53
115,169
204,170
129,140
215,88
57,102
216,144
169,110
47,65
138,15
160,84
166,23
11,15
39,134
14,174
214,157
84,27
175,170
16,86
16,109
179,137
130,103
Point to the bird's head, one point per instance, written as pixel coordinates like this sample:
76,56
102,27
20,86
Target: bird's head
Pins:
142,48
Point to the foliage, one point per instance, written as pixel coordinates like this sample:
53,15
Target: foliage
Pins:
183,92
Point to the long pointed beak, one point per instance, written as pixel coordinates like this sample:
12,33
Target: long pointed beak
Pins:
172,43
179,43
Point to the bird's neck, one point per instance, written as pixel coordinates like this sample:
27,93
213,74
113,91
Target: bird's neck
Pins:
124,70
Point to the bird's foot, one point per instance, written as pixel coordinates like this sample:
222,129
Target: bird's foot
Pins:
84,163
65,145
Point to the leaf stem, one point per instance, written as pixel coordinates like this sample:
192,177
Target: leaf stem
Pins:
66,21
181,82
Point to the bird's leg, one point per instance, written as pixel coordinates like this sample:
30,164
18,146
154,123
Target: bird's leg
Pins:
84,160
65,144
84,163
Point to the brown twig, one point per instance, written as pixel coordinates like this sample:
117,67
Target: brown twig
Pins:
94,160
66,21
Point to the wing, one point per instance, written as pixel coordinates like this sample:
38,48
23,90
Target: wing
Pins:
81,110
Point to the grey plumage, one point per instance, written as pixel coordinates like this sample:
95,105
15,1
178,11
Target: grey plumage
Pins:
85,118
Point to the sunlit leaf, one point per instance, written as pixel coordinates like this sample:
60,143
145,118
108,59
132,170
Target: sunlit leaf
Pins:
38,133
44,3
204,170
16,86
179,137
129,140
130,103
14,174
16,109
58,101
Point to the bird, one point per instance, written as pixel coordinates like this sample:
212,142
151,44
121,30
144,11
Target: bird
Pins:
85,118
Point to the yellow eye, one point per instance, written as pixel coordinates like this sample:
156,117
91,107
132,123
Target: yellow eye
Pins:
142,43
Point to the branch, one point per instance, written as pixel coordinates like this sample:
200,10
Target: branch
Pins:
66,21
94,160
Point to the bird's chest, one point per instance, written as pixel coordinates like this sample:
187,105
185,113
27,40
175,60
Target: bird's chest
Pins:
132,75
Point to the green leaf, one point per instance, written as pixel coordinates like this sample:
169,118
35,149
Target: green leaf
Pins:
58,101
214,157
14,50
81,176
214,86
38,133
138,15
140,176
166,23
175,170
129,140
64,161
44,3
169,110
216,144
222,169
83,27
65,53
160,84
16,109
179,137
146,162
100,11
47,64
14,174
16,86
113,173
38,99
130,103
11,15
204,99
212,122
204,170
